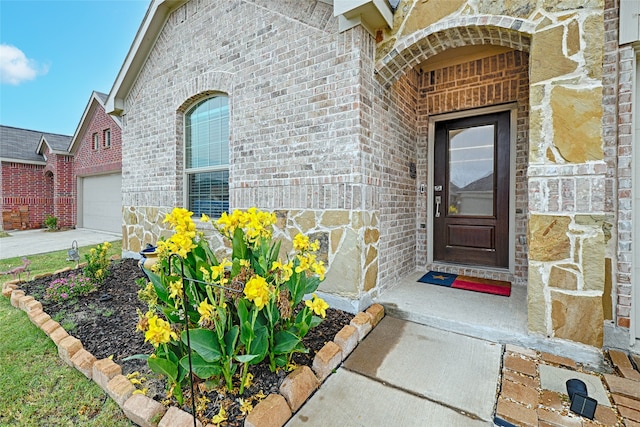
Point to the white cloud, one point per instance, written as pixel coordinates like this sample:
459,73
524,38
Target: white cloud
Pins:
15,67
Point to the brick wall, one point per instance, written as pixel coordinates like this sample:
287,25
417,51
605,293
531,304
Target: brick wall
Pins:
88,161
26,185
495,80
293,106
617,80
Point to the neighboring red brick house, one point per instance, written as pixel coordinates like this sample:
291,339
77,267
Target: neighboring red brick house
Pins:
96,148
76,179
30,161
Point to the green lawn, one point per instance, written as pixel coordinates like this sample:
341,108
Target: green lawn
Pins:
52,261
36,387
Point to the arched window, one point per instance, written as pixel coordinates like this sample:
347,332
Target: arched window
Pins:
207,157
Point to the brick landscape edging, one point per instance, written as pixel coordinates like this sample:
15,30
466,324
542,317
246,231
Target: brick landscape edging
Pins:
273,411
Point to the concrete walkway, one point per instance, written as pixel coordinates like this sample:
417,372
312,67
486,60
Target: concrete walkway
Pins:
408,374
31,242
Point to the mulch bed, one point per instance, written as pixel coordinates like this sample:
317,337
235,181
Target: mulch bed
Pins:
105,321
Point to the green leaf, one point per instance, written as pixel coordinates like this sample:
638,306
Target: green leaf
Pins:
160,288
274,251
238,245
315,321
246,333
203,369
137,356
164,367
246,358
260,344
312,284
285,342
230,340
204,342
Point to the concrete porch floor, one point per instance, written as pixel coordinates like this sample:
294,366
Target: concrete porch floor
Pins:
490,317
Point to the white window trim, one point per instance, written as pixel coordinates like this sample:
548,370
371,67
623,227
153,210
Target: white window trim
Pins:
106,135
191,171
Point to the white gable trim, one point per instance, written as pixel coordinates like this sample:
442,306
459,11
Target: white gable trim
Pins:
144,41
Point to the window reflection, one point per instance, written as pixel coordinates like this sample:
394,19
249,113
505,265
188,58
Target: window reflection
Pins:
471,164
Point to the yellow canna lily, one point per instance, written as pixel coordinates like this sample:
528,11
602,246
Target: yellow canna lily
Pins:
318,305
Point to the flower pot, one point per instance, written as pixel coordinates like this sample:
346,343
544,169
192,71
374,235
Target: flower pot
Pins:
149,258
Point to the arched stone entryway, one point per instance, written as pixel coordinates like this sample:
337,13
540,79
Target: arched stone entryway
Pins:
560,156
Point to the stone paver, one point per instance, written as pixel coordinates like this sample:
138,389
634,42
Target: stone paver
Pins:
552,408
273,411
298,386
143,410
175,417
326,360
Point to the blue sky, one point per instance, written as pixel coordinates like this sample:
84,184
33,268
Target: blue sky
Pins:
53,54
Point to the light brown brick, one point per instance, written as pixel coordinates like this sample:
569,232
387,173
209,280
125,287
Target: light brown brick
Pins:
58,335
558,360
24,300
63,270
83,361
143,410
531,382
625,401
520,393
623,364
104,370
362,322
273,411
175,417
42,275
298,386
630,414
516,413
630,423
521,350
8,288
326,360
605,415
15,297
32,306
119,388
555,419
39,318
623,386
520,364
347,340
376,313
551,399
67,347
49,326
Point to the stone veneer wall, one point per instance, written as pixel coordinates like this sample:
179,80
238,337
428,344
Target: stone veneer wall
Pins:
569,181
326,121
348,242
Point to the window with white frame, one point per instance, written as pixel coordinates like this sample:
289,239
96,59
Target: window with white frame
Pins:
96,141
207,157
106,137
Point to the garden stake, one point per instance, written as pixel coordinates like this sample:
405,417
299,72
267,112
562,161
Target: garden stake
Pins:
186,326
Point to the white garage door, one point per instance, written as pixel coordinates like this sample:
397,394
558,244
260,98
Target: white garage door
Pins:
102,203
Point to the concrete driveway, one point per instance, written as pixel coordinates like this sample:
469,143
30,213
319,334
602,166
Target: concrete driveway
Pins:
31,242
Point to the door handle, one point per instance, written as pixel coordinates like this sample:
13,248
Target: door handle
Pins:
438,201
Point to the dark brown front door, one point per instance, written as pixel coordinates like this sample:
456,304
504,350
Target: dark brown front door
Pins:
471,191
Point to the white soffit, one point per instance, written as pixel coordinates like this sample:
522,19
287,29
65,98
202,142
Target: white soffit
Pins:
372,14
